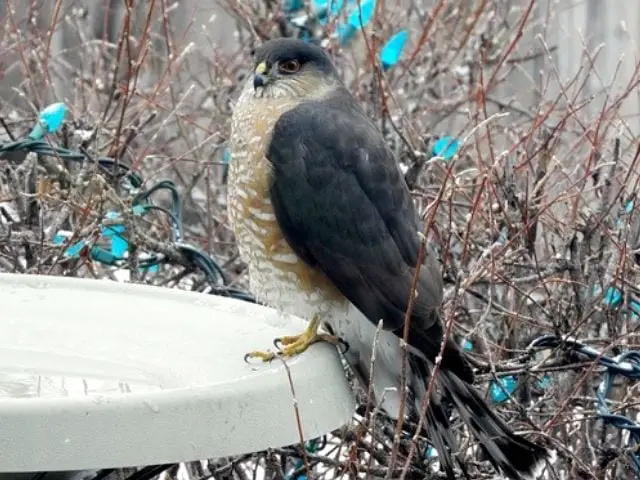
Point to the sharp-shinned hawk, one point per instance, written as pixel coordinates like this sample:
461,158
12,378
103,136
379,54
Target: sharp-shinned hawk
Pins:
329,231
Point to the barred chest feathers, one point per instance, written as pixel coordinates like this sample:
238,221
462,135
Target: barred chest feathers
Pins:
277,277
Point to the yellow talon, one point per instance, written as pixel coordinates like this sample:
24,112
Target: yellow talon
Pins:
304,339
295,344
264,356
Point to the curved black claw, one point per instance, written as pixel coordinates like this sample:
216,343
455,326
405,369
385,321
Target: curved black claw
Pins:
276,343
247,356
345,345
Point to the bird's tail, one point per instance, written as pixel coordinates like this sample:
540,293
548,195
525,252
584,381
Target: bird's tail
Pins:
515,456
436,419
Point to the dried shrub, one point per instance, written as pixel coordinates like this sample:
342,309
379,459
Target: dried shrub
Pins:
535,217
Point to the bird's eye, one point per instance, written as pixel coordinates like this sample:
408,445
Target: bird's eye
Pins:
290,66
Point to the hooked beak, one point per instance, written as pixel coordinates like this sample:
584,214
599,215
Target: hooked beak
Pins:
261,76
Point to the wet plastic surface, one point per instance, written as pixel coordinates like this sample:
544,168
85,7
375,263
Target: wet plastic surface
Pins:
98,374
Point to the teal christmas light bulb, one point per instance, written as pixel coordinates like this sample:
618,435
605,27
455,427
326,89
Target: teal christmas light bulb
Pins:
360,16
501,390
392,50
49,120
445,147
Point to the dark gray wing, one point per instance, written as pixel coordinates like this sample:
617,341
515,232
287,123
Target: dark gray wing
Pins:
344,207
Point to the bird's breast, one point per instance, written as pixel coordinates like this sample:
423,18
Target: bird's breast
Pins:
277,276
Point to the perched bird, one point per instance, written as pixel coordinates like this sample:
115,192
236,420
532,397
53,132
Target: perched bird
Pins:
327,226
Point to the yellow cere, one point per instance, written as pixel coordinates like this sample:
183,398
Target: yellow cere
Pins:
261,68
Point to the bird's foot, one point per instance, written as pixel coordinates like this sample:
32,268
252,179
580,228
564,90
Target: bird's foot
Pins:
290,346
264,356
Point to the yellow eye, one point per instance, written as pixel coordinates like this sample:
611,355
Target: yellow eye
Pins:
289,66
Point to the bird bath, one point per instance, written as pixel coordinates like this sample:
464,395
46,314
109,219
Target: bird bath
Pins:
99,374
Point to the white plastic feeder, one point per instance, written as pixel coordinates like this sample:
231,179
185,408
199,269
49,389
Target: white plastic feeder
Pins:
99,374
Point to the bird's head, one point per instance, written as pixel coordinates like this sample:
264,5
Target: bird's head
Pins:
286,67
